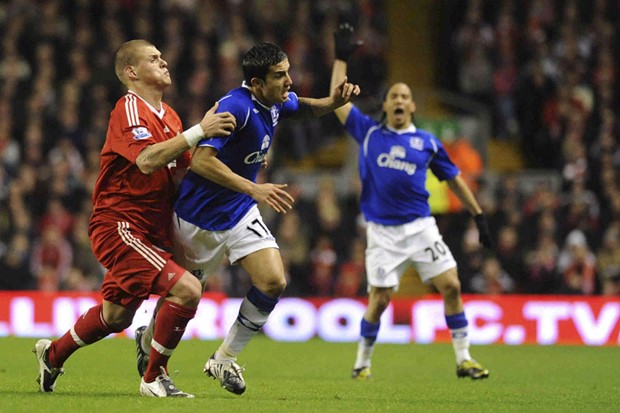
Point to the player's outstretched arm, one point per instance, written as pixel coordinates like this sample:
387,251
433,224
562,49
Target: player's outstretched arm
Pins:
342,94
464,194
206,164
344,47
156,156
339,72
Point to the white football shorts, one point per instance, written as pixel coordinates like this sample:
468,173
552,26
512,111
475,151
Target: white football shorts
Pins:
201,251
391,249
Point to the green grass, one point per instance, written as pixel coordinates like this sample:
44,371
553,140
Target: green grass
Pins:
314,377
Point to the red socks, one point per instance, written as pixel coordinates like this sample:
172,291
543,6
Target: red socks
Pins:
88,329
170,325
172,318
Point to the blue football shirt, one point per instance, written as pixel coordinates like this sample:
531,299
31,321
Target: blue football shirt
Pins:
211,206
392,168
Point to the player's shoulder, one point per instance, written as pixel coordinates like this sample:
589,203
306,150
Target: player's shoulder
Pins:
424,134
127,110
130,103
237,96
122,101
429,138
236,101
129,96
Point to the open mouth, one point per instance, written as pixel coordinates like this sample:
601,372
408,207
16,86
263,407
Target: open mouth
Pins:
399,111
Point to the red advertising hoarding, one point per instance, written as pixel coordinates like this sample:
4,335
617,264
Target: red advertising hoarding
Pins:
505,319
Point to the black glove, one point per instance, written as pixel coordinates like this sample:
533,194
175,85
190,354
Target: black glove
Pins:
345,45
483,230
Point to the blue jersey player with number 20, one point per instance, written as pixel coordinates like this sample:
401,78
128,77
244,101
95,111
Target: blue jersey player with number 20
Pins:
393,161
216,211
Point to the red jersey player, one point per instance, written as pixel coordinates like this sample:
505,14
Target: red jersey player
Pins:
129,227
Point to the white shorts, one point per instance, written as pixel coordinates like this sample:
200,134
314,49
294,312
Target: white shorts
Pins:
391,249
201,251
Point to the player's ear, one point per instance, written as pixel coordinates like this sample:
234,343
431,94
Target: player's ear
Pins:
130,72
257,82
413,107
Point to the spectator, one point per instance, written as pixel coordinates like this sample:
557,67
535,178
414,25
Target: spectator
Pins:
86,270
493,279
15,271
577,265
351,275
474,44
51,259
508,250
541,272
467,159
323,259
532,95
292,236
328,218
608,261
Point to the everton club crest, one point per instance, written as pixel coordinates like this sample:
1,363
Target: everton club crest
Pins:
416,143
274,115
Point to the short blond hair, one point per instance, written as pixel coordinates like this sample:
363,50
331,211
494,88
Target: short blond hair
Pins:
127,55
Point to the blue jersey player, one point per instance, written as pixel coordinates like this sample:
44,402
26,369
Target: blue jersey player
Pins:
216,212
394,158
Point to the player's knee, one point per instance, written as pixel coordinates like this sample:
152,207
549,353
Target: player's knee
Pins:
117,317
275,288
382,302
452,289
379,300
190,291
118,324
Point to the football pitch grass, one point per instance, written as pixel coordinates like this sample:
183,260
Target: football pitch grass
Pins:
314,377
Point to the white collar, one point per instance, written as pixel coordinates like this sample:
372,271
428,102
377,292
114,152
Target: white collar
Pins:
160,113
410,129
245,85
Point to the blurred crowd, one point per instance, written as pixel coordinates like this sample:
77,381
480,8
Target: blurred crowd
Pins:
548,69
57,88
546,66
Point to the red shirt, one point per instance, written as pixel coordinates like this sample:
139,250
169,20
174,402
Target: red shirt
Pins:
123,192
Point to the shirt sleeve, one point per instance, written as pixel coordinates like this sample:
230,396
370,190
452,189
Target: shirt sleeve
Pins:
241,112
291,105
358,124
441,164
130,132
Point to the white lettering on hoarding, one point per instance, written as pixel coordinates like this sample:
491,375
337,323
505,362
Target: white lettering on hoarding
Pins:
66,311
595,332
547,316
229,312
489,312
514,335
390,332
426,318
205,324
22,319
